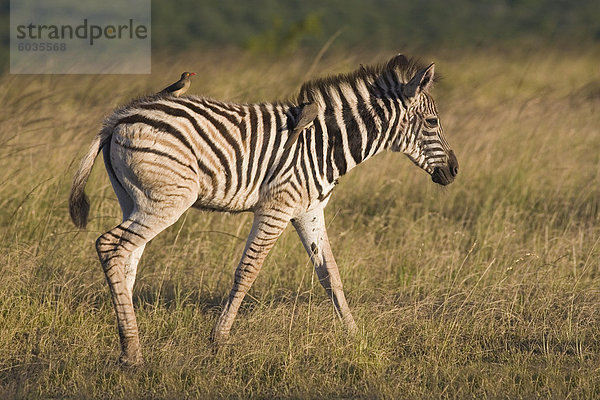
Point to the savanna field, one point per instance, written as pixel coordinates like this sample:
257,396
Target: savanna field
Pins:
488,288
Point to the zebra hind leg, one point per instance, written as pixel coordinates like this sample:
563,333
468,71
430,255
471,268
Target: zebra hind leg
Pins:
131,268
127,204
149,204
119,250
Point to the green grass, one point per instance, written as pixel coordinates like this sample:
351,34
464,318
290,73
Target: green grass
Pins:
489,288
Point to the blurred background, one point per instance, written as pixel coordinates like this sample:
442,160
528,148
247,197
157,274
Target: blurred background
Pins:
275,26
271,26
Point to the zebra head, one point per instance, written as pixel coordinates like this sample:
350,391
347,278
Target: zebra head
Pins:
420,134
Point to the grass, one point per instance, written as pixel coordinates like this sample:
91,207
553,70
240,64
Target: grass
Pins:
487,289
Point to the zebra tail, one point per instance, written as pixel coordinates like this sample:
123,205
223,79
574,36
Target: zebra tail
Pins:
79,205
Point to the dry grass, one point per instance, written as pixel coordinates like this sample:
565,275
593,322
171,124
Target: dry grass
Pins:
487,289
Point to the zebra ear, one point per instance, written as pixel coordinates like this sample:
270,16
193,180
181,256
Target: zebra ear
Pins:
399,61
422,81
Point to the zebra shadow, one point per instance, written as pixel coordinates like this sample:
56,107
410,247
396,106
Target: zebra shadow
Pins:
172,296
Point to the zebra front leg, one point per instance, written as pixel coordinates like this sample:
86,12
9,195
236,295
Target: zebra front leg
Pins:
311,229
266,228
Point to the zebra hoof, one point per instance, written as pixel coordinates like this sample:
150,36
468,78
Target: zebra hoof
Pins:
131,360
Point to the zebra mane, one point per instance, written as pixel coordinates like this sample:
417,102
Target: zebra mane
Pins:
404,68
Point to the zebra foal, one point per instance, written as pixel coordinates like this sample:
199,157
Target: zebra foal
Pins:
165,154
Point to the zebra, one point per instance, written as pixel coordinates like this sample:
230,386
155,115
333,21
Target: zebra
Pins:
164,155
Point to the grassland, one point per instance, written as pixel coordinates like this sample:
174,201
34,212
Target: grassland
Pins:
487,289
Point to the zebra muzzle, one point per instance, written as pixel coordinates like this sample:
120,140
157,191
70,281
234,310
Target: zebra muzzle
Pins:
445,175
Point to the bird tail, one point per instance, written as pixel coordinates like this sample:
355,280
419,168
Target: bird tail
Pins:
79,205
305,119
292,139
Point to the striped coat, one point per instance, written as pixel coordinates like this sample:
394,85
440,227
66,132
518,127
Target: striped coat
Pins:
164,155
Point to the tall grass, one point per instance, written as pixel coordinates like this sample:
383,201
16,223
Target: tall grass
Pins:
486,289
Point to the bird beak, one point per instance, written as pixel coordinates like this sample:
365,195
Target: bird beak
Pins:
192,73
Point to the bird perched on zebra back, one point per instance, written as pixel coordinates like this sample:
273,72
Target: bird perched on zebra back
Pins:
180,87
307,116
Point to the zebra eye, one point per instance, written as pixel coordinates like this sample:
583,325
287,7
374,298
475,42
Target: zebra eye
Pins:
432,122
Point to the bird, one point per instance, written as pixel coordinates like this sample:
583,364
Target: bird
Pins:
180,87
307,116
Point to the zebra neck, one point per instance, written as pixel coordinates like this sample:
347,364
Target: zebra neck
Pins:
354,133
